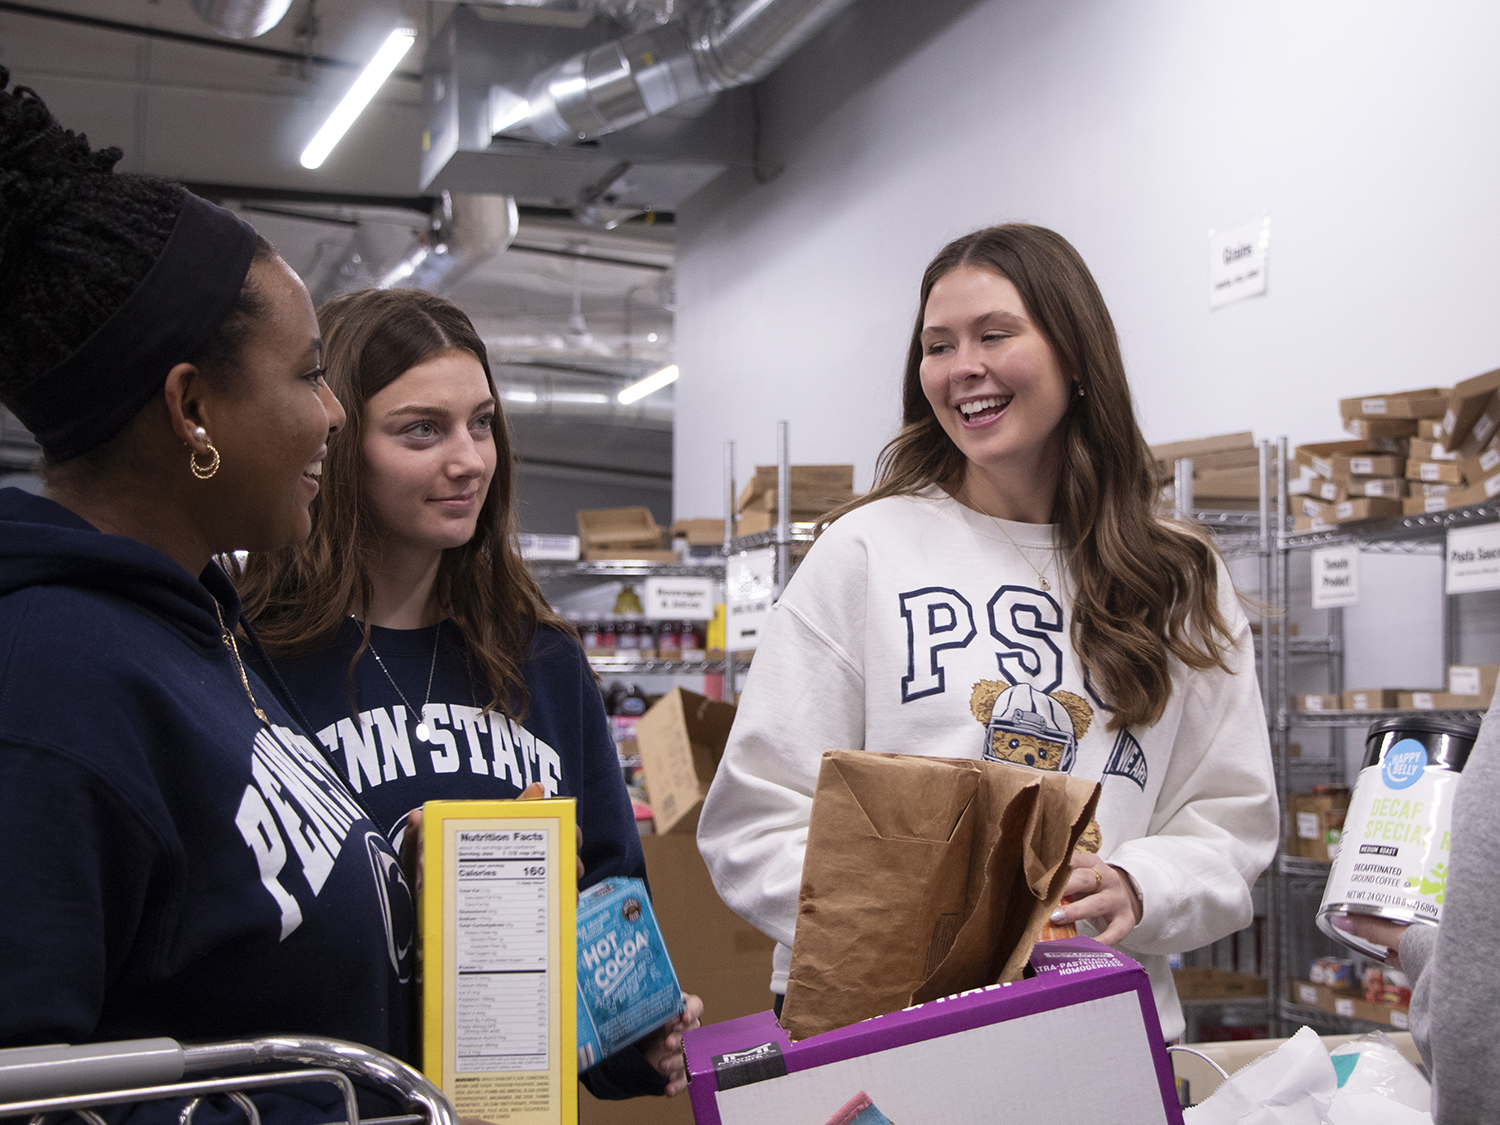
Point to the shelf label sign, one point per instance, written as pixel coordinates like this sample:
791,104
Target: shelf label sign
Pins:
749,590
680,599
1237,262
1473,561
1335,577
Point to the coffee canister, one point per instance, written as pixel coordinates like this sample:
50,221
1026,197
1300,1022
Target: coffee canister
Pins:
1392,861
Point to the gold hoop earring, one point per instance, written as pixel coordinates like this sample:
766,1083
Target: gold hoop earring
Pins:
199,471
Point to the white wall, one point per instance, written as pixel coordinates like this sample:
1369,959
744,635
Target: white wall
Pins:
1369,131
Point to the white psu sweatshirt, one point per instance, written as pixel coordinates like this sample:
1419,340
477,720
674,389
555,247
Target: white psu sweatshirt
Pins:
915,626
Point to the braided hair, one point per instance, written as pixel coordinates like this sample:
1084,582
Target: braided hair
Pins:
76,239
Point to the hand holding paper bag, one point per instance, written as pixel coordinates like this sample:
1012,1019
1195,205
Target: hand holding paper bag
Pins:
924,877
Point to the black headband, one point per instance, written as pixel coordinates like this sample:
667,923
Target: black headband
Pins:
175,310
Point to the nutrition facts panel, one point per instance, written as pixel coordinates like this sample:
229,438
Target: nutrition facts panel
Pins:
502,957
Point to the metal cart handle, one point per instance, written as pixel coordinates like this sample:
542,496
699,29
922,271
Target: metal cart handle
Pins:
74,1072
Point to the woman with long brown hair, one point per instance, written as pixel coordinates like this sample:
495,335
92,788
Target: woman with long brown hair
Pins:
408,629
1007,591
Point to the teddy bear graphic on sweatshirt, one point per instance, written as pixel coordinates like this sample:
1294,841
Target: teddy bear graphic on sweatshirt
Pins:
1033,728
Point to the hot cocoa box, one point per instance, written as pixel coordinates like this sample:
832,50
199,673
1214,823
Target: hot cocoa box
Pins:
987,1055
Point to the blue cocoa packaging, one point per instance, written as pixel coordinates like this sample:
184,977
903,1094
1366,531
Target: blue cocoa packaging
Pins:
626,985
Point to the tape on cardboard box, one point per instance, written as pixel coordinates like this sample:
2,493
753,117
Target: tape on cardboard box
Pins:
1423,450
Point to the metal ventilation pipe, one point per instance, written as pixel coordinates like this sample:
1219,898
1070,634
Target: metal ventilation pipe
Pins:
466,229
241,19
627,80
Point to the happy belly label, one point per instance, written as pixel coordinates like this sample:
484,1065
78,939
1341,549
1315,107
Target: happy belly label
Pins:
1394,854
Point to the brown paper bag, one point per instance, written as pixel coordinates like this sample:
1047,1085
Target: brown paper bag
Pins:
924,877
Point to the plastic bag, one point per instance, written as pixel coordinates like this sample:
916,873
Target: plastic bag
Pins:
1372,1064
1293,1085
1299,1083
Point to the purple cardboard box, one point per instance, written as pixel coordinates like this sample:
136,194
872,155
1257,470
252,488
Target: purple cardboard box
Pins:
1079,1041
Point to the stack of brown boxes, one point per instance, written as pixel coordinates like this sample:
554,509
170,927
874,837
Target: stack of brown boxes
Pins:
1471,687
622,533
1226,470
1412,452
816,490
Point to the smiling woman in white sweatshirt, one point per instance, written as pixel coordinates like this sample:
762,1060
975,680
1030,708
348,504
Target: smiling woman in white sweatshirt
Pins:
1007,591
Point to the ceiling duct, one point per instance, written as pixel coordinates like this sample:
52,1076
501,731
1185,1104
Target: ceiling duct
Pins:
241,19
719,46
466,229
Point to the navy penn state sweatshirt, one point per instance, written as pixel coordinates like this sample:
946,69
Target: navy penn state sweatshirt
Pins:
563,742
172,865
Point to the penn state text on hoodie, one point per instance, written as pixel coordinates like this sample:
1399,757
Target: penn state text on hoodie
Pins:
563,742
172,866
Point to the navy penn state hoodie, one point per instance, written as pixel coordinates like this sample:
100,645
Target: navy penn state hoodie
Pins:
172,866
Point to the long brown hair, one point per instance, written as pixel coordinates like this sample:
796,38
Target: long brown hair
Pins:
1144,589
298,597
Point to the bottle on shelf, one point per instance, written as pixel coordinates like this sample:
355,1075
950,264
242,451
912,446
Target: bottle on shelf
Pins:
669,640
627,600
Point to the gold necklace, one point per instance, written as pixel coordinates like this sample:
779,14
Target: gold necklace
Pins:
1041,575
228,638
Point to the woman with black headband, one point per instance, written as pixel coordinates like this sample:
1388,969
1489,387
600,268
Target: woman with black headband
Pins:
177,858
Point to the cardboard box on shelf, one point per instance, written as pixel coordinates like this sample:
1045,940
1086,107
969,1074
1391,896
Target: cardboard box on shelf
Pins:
699,532
680,739
1483,463
1428,402
1326,999
1314,509
1312,523
1216,984
1420,449
752,523
935,1062
1474,679
1317,822
1452,497
1233,484
1437,701
818,487
1370,699
1366,508
1362,427
1430,429
1392,488
1326,490
1197,448
1318,456
630,554
1315,703
1348,466
618,527
1468,403
1435,472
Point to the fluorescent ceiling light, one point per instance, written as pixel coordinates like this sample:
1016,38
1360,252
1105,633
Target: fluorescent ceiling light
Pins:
391,52
576,397
518,396
649,385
